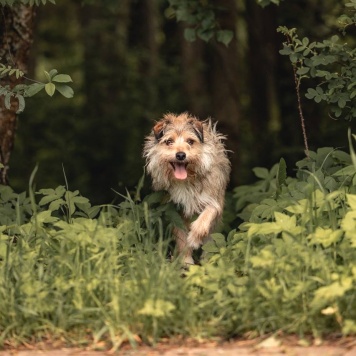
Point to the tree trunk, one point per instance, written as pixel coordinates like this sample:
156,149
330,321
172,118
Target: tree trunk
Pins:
15,42
225,88
264,113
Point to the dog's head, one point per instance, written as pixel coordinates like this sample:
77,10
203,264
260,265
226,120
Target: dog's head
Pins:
178,145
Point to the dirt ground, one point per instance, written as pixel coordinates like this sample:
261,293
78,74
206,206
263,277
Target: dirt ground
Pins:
267,347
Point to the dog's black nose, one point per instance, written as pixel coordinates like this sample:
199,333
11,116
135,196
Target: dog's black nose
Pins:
181,156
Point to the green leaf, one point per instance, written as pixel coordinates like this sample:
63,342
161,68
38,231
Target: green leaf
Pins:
302,70
62,78
157,308
50,89
45,217
8,100
219,240
52,73
329,293
65,90
263,229
205,35
261,172
211,247
47,75
21,100
281,173
190,34
34,89
224,36
351,199
325,237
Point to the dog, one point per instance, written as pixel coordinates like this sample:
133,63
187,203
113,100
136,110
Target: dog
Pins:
187,158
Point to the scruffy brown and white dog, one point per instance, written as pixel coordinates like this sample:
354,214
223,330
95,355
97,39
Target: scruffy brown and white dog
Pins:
187,158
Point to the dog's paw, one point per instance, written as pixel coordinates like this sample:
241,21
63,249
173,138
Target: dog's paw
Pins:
193,241
197,234
188,260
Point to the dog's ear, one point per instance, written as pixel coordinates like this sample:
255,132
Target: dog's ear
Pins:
158,129
198,129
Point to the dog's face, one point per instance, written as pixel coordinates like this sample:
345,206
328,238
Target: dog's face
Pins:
179,144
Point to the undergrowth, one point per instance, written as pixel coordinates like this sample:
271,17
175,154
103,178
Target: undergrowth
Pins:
105,274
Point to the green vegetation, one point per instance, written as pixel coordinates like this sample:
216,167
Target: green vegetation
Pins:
284,259
92,273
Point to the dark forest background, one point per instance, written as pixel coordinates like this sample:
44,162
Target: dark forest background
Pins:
130,64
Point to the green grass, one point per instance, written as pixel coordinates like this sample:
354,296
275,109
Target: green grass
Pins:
89,274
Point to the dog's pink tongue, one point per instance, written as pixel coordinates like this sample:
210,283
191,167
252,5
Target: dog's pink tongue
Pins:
180,172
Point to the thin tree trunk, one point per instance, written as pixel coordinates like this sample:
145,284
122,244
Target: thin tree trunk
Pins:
15,42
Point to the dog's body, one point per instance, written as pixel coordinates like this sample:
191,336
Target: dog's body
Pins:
187,158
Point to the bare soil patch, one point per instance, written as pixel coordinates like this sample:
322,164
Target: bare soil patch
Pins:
291,345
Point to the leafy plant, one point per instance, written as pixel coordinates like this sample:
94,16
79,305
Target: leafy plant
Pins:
54,82
25,2
201,19
331,61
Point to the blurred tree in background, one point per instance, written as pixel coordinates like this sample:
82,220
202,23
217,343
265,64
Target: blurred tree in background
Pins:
130,63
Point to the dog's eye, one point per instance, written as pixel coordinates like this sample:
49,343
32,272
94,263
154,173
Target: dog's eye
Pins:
169,142
190,142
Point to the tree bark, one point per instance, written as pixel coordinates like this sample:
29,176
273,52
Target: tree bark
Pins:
226,82
264,113
16,34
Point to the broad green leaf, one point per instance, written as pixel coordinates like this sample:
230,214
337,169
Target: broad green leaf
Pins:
346,171
303,70
156,308
261,172
21,100
325,237
65,90
45,217
205,35
47,75
52,73
62,78
211,247
224,36
219,240
351,199
34,89
50,89
263,229
7,101
300,207
327,294
285,222
56,204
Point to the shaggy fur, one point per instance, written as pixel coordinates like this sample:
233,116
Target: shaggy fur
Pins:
187,158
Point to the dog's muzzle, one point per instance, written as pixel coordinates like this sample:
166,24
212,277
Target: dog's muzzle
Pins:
179,166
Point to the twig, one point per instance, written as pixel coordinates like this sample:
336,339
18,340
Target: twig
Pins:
302,121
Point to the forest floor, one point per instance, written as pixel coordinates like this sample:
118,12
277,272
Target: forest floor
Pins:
288,346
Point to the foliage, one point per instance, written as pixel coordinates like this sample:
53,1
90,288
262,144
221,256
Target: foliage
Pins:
264,3
54,82
202,21
331,62
300,243
25,2
94,274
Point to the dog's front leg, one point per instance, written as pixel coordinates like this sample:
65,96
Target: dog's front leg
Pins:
202,226
184,250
